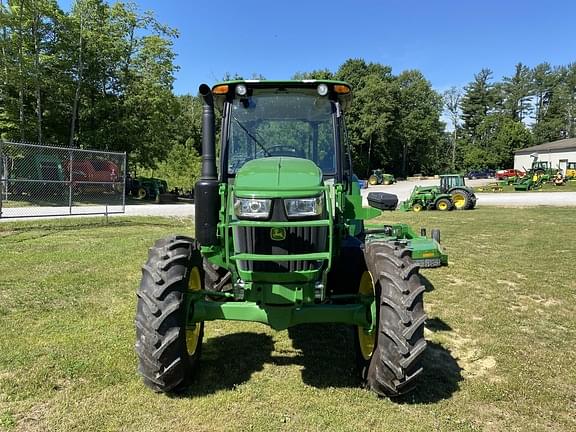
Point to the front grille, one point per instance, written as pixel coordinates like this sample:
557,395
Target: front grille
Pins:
299,240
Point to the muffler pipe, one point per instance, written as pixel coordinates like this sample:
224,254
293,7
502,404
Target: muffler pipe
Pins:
206,190
208,134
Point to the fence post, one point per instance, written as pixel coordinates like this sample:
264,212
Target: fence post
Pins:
70,184
124,167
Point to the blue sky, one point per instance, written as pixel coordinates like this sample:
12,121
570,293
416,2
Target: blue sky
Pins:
448,40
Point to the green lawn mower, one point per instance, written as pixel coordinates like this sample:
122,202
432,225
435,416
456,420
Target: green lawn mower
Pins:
281,239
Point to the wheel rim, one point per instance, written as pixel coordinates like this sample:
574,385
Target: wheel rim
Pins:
459,200
366,341
372,180
193,333
416,207
442,205
141,193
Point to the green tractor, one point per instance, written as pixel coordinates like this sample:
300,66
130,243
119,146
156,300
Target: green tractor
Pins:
427,198
378,177
148,188
281,240
540,173
463,197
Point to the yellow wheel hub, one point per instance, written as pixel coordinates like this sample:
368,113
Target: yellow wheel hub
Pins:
373,180
141,193
193,333
417,207
366,341
459,200
442,206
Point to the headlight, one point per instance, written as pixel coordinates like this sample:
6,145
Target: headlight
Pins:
302,207
252,208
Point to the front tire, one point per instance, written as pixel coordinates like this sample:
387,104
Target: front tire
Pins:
168,351
373,180
443,204
396,360
142,193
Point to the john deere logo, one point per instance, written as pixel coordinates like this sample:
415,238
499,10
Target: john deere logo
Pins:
277,234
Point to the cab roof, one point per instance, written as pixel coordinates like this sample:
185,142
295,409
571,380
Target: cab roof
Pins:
344,99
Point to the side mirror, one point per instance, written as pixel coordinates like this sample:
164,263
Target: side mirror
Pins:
382,200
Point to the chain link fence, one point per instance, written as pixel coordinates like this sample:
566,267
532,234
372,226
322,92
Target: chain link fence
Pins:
38,180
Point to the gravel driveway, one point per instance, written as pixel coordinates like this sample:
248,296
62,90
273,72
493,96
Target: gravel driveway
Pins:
402,189
514,199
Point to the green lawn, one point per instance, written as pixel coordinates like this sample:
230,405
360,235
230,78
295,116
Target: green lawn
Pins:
97,200
501,334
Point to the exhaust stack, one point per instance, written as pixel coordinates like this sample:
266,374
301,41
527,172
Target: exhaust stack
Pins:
208,134
206,190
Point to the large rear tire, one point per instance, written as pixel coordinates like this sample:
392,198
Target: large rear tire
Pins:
396,360
461,199
168,351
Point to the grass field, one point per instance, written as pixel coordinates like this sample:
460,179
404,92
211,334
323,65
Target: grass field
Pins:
500,357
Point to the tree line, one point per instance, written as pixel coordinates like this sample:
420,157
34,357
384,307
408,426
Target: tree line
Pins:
491,119
101,77
98,77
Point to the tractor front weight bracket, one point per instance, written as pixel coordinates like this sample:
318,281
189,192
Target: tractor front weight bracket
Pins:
280,317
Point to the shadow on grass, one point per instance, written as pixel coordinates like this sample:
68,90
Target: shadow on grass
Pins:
427,284
438,381
328,357
328,360
437,324
228,361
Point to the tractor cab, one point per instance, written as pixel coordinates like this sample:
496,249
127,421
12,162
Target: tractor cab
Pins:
281,121
541,166
449,181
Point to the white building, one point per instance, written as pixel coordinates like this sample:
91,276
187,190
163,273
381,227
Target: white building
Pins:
557,153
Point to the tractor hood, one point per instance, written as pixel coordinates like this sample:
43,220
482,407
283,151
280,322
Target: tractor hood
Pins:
278,177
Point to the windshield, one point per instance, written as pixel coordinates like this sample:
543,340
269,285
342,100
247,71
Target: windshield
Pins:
276,122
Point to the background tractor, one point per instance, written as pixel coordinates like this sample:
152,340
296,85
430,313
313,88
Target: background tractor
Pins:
281,240
463,197
378,177
427,198
540,173
148,188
